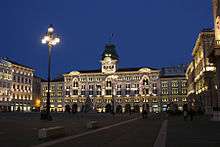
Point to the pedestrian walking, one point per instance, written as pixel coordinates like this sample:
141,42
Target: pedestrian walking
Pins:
185,115
191,113
144,114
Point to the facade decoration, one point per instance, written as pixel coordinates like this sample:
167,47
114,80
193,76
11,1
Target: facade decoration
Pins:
15,86
173,88
113,88
201,74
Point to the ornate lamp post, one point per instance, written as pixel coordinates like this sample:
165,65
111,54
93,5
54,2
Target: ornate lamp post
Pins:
50,39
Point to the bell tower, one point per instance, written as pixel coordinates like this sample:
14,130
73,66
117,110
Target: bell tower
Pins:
109,59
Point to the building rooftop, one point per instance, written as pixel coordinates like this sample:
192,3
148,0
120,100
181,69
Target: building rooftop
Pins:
16,63
172,76
42,79
118,70
110,51
59,78
173,71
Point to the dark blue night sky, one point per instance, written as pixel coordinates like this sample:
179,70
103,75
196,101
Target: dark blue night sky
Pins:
151,33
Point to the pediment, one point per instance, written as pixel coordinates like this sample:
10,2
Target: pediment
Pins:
144,69
74,73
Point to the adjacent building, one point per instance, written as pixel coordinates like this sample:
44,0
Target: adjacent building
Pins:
191,94
201,74
173,88
15,86
56,94
37,92
6,77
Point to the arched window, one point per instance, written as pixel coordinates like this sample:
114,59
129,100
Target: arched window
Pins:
145,82
109,84
75,84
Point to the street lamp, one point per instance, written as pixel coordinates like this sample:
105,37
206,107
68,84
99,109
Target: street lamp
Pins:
50,39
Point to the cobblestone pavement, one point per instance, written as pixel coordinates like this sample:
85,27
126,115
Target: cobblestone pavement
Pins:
197,133
20,129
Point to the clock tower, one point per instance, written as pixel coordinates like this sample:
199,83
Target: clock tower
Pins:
109,59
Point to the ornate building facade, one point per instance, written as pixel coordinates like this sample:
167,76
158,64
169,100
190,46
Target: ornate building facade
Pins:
110,86
5,85
37,92
201,74
56,96
173,87
15,86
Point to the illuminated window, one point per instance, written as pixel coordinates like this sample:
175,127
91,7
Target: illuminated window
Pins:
128,85
83,93
164,84
118,86
127,92
154,91
59,93
60,87
90,92
83,86
136,92
75,92
164,91
184,83
91,87
175,91
98,92
52,87
118,92
108,92
184,91
75,84
145,91
174,83
164,99
145,82
18,80
109,84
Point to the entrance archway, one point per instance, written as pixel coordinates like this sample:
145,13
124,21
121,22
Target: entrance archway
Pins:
127,108
108,108
119,109
67,108
136,108
74,108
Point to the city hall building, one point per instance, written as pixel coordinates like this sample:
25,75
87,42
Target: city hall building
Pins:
111,87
